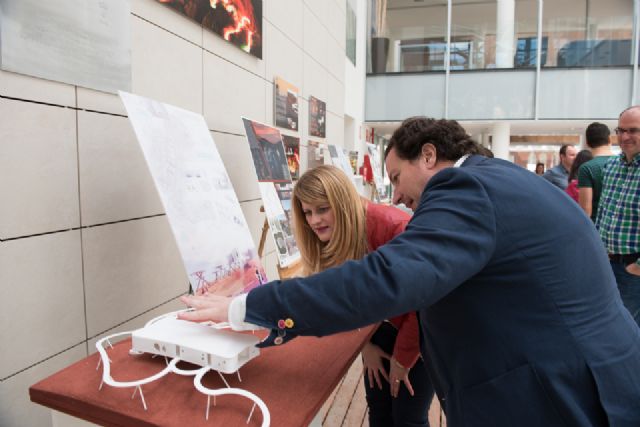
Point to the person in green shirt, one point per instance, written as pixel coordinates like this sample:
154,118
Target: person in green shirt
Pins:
590,173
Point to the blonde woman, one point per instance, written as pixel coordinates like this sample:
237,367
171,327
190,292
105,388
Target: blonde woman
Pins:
333,224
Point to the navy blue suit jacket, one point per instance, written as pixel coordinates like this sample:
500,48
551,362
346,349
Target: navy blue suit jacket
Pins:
522,323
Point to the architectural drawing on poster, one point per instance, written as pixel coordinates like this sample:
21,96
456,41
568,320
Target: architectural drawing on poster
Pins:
83,43
272,170
339,159
204,213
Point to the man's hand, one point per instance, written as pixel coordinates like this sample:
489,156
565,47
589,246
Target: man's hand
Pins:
372,356
633,269
206,308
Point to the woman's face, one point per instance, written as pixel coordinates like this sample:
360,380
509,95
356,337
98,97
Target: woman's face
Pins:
320,218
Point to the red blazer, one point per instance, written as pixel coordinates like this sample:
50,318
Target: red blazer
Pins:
383,224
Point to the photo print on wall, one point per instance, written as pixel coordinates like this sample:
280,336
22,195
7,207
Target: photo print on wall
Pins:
267,151
274,181
237,21
317,117
286,104
292,151
315,154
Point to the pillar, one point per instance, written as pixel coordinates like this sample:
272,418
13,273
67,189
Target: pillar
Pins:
501,140
505,33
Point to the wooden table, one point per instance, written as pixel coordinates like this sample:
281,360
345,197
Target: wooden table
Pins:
293,380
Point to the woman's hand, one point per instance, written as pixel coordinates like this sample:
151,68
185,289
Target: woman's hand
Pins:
372,356
206,308
398,374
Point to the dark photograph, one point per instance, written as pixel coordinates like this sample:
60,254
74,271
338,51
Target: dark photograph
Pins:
237,21
267,151
292,151
317,117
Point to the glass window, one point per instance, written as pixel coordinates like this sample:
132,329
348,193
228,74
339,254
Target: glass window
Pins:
473,35
415,34
409,36
489,43
586,33
526,35
351,32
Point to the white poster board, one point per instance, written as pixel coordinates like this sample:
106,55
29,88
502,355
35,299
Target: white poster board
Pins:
340,160
376,165
85,43
203,210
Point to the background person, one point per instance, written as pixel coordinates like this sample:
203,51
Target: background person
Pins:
518,330
581,158
590,174
619,210
332,225
559,174
539,168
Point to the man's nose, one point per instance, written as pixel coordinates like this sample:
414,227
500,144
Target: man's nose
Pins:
396,197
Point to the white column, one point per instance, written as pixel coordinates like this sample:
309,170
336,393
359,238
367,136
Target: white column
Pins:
505,30
501,139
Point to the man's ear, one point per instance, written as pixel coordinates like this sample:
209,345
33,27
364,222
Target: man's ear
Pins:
429,154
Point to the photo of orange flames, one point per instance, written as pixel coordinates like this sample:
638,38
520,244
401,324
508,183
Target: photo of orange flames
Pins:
237,21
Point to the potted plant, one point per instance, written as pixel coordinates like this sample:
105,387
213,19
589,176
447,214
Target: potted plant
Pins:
379,41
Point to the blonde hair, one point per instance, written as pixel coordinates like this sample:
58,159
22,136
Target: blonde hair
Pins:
328,184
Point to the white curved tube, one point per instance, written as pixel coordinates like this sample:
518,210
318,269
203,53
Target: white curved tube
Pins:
171,367
106,367
266,416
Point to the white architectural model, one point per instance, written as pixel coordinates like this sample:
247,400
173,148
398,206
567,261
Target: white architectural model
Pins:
208,346
200,203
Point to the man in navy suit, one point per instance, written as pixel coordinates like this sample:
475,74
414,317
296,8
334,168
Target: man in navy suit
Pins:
522,324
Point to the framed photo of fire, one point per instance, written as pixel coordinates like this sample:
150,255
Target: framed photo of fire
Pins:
237,21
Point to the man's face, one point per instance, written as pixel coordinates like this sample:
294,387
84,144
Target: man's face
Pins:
409,177
629,138
569,156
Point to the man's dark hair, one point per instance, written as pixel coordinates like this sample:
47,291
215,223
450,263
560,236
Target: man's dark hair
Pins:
563,149
447,136
485,151
597,135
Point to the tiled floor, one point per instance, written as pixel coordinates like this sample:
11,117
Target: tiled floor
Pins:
347,405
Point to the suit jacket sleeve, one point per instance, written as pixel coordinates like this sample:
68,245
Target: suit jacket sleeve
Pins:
450,238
